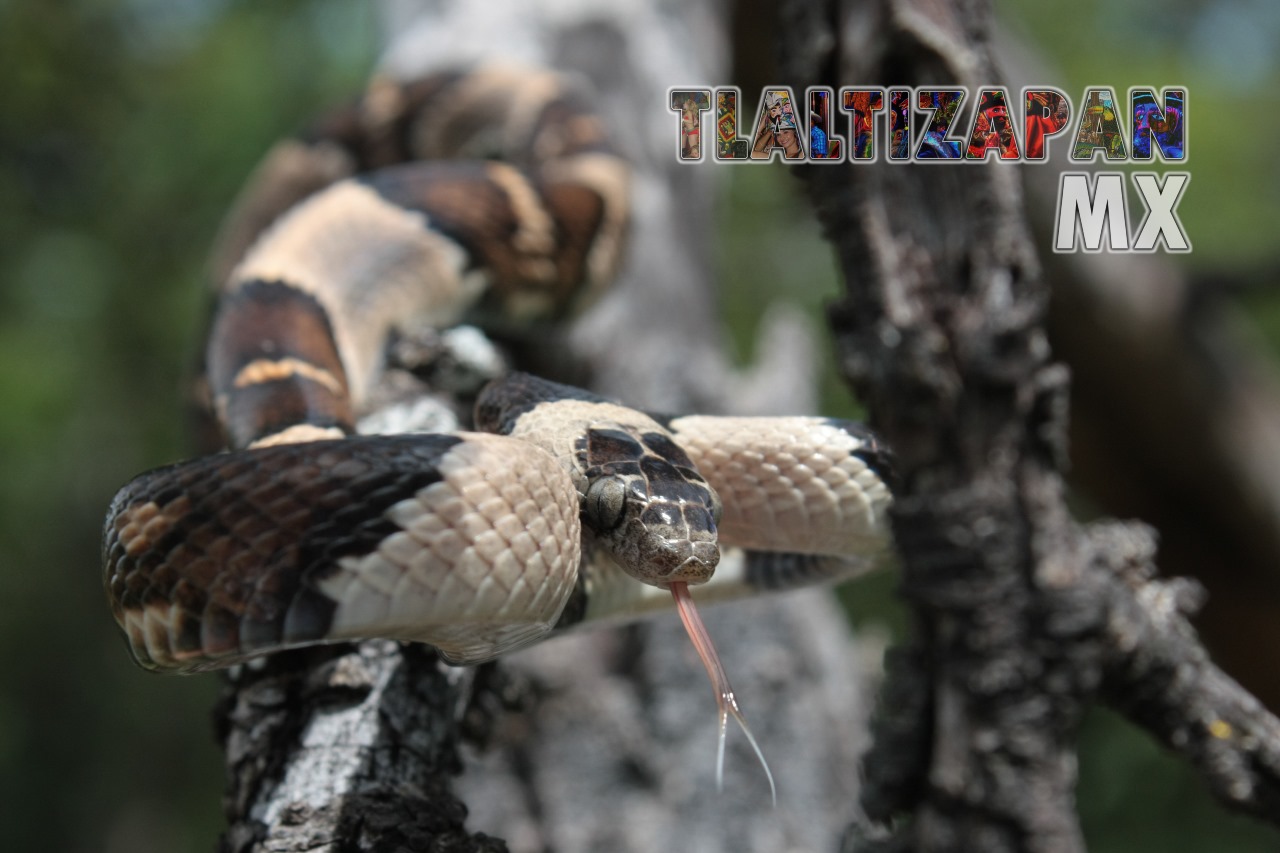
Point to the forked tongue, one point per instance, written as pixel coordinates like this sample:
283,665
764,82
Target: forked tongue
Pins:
725,699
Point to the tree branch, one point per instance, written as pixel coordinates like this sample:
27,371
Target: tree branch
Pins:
347,747
1156,673
1022,617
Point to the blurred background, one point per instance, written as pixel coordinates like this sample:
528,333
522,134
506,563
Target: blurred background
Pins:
126,127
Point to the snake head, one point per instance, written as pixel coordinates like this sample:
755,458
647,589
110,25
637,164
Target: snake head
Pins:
642,498
649,507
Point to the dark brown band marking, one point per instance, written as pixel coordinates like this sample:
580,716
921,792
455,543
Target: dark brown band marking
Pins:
266,408
243,539
503,401
462,203
273,321
376,138
578,213
874,453
465,202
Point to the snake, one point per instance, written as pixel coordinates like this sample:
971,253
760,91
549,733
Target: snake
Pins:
490,193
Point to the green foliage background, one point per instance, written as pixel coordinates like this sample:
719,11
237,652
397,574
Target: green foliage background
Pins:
126,127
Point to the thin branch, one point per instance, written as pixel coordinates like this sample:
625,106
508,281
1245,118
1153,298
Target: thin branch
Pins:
1158,675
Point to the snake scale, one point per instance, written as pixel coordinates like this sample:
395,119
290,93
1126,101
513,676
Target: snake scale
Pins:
494,194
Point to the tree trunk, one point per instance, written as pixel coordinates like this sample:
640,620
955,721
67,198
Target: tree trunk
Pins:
1022,616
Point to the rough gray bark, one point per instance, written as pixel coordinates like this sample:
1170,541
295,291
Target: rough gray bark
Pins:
1022,616
1175,414
349,748
605,740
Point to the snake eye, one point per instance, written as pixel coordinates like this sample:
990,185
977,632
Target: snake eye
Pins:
605,504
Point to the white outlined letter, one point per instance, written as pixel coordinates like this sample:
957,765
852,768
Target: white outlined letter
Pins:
1161,219
1084,210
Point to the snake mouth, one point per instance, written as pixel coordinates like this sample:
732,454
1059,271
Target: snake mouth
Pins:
696,568
660,560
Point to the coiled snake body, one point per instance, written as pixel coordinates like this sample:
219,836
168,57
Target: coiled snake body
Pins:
473,542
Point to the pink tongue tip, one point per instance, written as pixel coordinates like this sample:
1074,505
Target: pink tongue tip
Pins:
725,700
